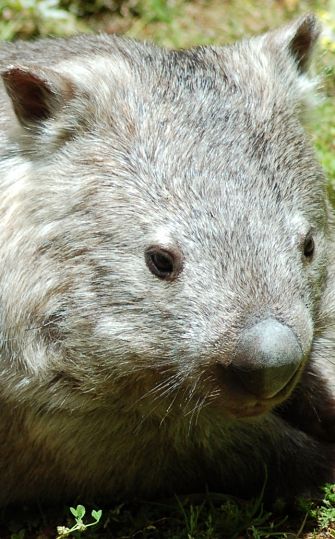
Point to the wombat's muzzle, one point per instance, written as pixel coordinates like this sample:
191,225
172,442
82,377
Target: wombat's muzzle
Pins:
268,355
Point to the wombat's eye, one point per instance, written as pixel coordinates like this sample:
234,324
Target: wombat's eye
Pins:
165,264
309,246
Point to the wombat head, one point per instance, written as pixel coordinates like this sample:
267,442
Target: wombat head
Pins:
171,221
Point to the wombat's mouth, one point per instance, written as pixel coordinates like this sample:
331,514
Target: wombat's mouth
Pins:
237,402
256,410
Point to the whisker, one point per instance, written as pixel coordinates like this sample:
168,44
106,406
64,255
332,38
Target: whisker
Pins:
168,386
192,413
169,408
205,402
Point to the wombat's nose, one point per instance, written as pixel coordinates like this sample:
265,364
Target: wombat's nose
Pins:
268,355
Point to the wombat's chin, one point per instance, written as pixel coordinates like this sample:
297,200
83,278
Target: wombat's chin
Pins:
255,411
243,409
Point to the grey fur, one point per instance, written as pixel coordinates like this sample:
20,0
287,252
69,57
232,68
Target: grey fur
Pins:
114,382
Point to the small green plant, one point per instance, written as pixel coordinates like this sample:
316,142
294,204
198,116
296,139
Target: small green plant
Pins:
191,516
19,535
80,526
323,513
326,516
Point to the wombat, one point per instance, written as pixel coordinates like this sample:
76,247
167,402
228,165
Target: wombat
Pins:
167,318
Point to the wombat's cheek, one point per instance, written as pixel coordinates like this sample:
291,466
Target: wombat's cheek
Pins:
265,367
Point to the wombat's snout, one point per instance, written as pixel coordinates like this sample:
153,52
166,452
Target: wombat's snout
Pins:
268,355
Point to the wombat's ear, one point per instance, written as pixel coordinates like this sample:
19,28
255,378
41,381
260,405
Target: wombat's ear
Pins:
297,39
36,93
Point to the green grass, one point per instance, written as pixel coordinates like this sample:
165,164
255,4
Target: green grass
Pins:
207,516
324,137
176,23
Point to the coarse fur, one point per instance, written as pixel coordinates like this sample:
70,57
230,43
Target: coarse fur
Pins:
112,380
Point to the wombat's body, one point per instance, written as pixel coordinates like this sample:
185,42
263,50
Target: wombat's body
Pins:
167,299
